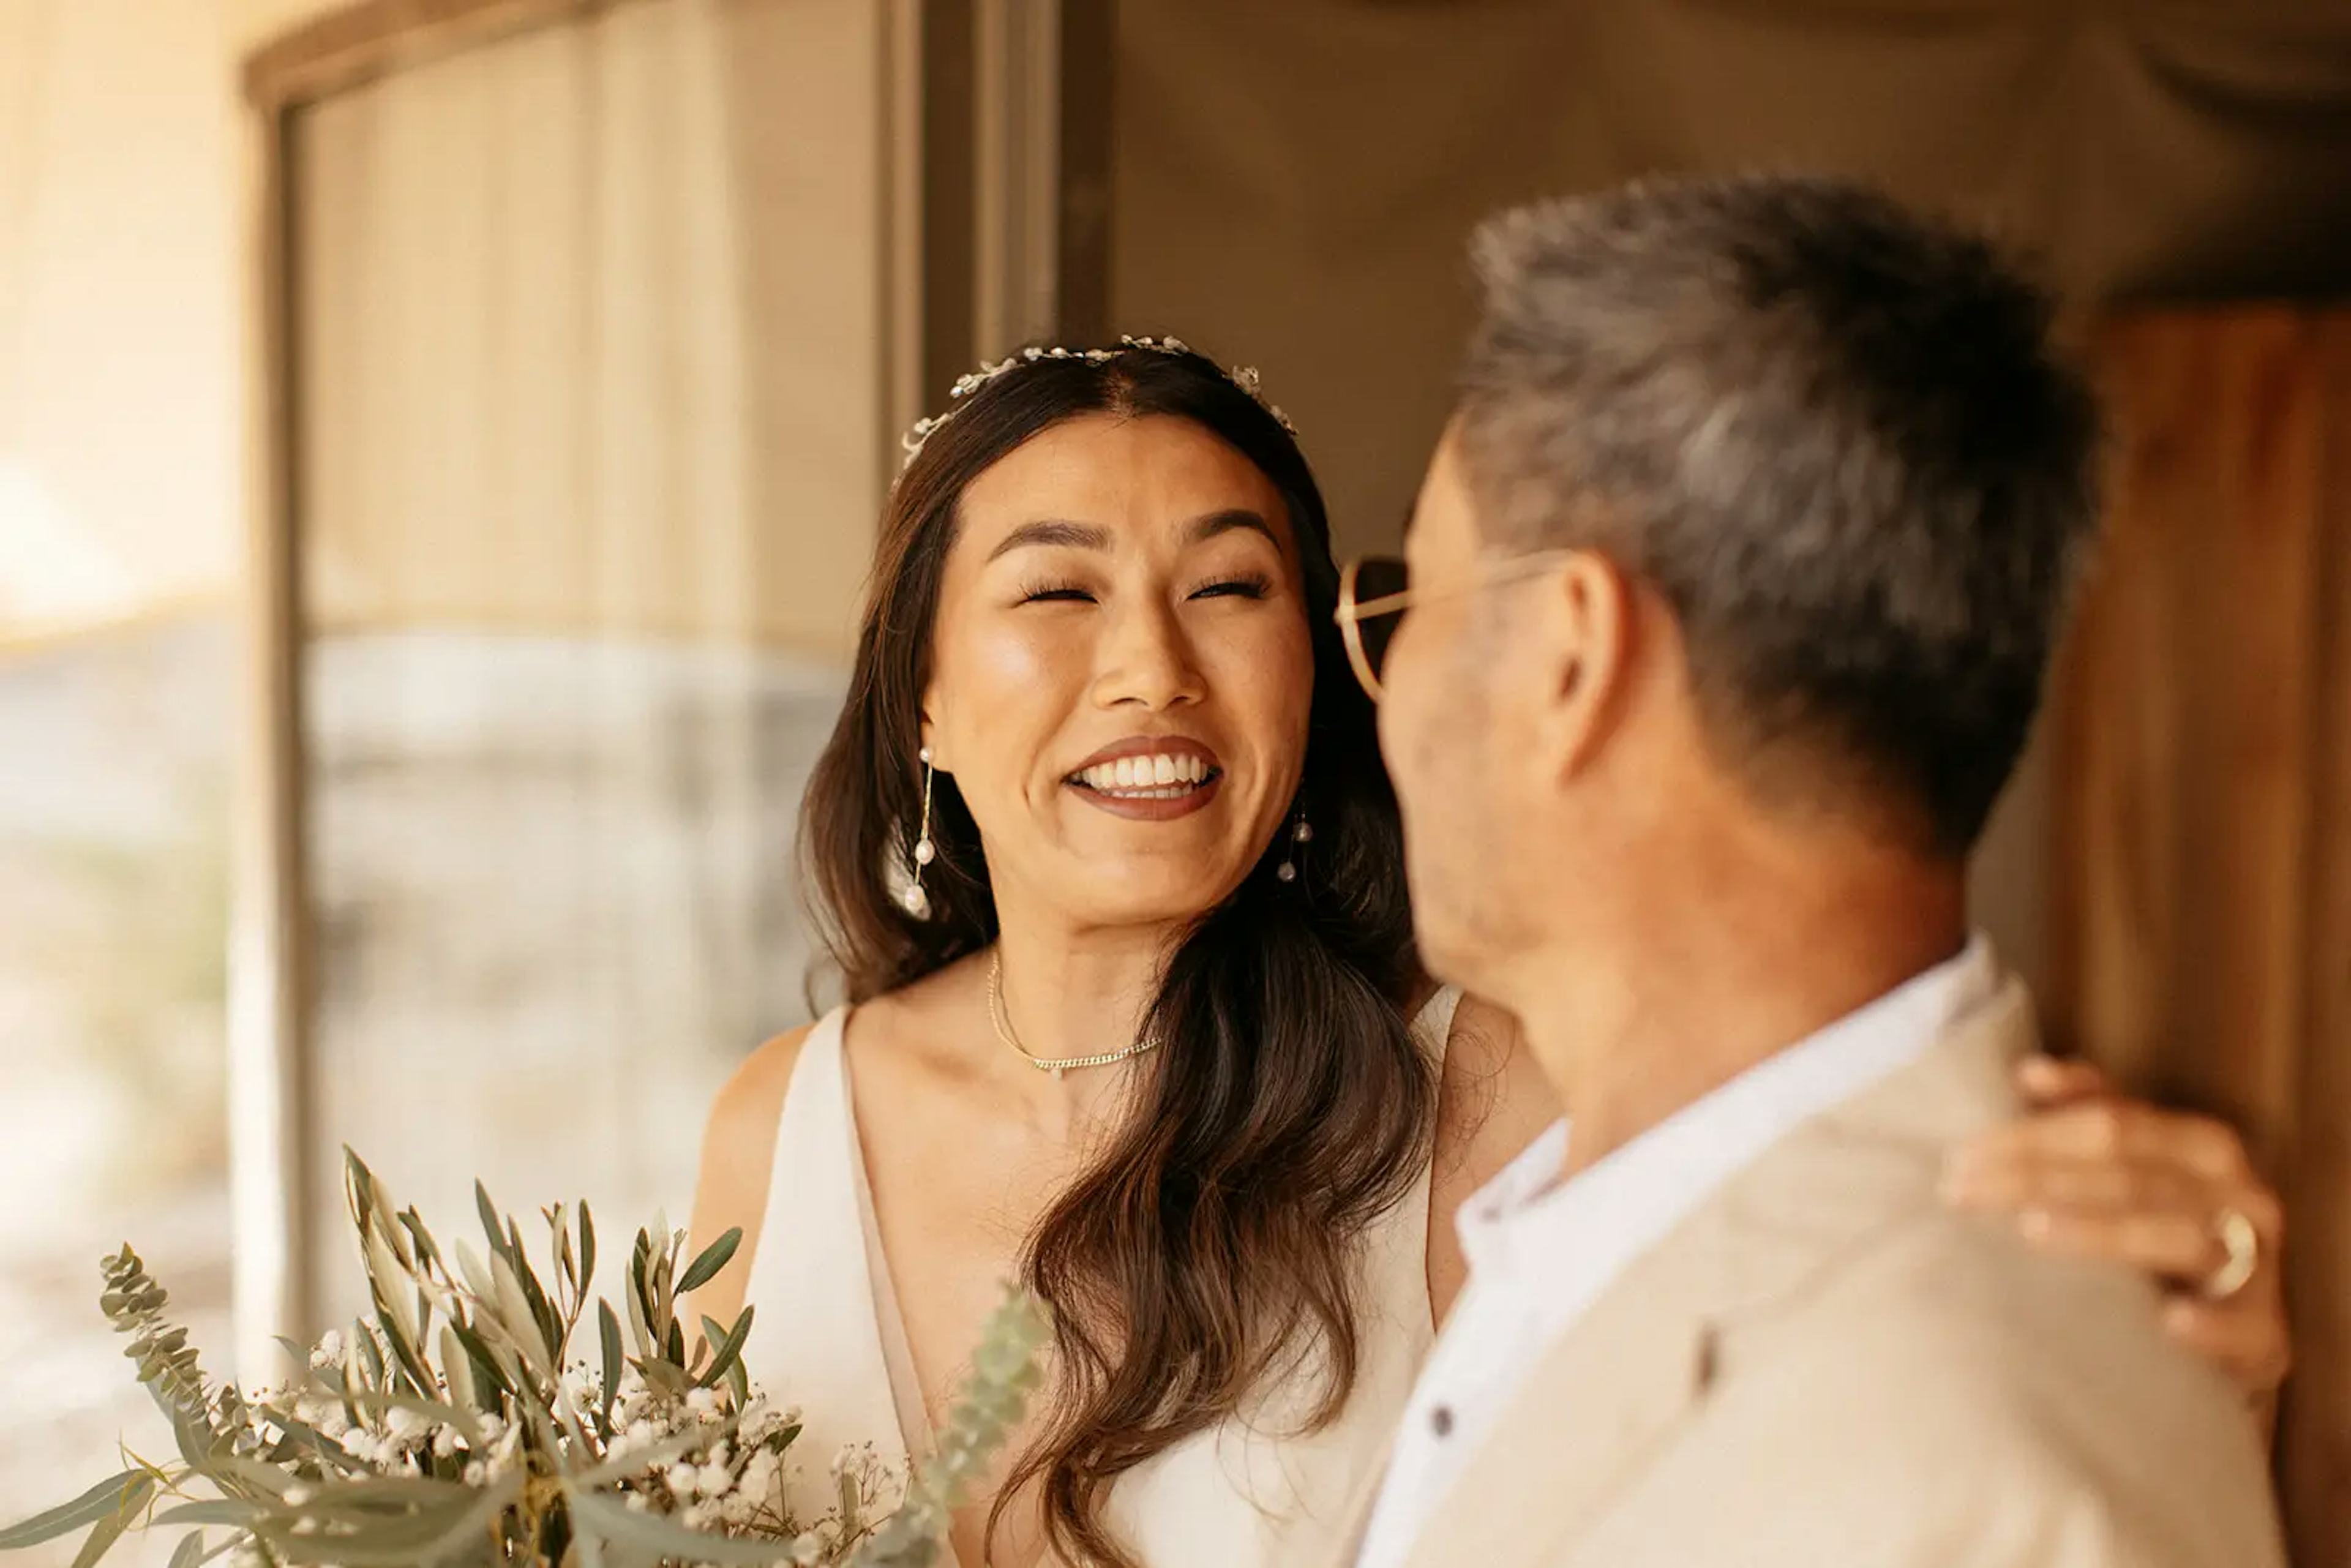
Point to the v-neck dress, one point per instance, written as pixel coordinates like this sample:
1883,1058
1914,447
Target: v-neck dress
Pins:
829,1337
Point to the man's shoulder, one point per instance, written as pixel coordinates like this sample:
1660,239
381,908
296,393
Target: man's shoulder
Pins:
1954,1309
1981,1387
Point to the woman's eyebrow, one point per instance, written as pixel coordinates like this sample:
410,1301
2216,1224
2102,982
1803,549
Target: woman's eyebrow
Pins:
1052,531
1227,521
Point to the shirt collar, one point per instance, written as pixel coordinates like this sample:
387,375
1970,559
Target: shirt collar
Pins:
1611,1211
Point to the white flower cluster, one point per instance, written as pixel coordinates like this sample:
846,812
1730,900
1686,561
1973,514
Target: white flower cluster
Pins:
733,1480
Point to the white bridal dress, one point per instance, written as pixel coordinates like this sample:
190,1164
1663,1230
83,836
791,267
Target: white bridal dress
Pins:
1240,1496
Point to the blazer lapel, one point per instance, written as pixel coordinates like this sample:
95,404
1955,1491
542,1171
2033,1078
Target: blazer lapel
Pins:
1601,1403
1589,1415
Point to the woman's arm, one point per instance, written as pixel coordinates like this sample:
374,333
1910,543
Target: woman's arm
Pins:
739,1152
2095,1174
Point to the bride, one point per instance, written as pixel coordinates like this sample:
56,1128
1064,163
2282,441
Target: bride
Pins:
1104,850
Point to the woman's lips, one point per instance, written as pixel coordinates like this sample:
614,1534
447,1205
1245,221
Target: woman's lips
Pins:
1159,804
1151,779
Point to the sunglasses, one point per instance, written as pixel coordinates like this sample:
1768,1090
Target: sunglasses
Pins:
1374,591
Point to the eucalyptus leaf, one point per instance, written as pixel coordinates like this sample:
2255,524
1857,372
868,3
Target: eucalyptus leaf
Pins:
638,1328
210,1511
458,1369
190,1551
101,1540
587,1247
661,1375
487,1365
370,1354
491,1226
91,1506
431,1409
714,1256
516,1317
423,1539
196,1445
608,1330
475,1272
542,1312
729,1343
616,1523
110,1528
267,1480
309,1440
637,1462
567,1260
427,1249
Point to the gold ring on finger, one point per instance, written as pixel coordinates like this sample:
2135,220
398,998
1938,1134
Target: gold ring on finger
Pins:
2242,1244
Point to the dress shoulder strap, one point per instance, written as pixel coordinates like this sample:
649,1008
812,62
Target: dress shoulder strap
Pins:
1433,1025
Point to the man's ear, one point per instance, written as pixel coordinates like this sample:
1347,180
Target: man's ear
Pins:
1580,631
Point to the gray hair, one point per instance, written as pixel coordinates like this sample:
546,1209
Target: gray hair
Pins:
1834,437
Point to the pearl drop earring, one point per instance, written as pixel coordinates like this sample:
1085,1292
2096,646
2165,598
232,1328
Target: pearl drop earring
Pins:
916,901
1303,832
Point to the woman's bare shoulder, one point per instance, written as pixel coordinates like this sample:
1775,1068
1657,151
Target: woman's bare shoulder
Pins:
752,1098
1491,1103
1493,1099
739,1150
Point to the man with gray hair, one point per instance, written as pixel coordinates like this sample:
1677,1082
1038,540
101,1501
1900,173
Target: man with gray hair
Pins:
1731,589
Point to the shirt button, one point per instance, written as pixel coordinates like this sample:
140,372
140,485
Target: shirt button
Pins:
1440,1420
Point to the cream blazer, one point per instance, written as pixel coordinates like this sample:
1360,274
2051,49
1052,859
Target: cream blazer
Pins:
1824,1367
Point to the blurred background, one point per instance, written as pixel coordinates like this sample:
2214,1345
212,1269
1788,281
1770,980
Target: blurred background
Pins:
439,447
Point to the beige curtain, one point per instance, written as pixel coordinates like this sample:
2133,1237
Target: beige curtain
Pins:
2204,843
588,426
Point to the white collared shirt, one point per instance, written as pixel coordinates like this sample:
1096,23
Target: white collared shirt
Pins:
1540,1251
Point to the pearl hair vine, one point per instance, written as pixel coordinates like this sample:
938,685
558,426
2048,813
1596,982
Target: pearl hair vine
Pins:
1242,376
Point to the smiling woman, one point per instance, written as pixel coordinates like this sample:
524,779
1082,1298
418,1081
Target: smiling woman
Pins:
1101,612
1176,631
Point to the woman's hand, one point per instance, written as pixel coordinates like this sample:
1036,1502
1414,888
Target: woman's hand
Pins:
2089,1172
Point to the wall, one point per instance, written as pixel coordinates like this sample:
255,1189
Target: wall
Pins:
1292,184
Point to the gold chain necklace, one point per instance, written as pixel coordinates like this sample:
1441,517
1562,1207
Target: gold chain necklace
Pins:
1054,1065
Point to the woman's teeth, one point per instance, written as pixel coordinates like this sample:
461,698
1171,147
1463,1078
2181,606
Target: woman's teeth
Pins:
1147,777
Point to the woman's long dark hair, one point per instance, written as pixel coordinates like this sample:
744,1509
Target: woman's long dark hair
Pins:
1211,1246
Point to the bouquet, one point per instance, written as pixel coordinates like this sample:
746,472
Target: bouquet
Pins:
453,1426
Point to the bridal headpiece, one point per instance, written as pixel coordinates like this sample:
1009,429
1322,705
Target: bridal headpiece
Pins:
1242,376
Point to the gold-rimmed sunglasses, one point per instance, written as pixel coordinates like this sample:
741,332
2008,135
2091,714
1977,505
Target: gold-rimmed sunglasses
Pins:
1374,591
